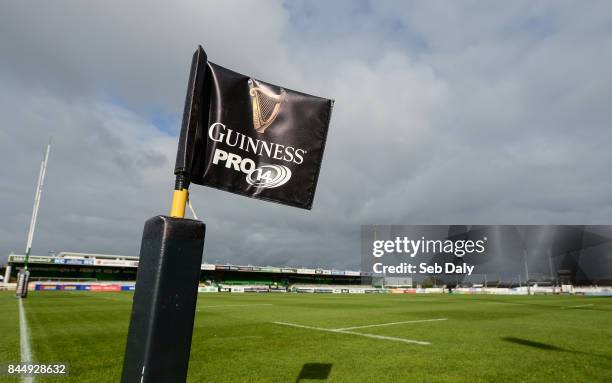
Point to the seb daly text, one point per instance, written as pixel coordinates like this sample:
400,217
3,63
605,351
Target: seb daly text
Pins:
392,256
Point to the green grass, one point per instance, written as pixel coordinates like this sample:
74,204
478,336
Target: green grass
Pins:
484,339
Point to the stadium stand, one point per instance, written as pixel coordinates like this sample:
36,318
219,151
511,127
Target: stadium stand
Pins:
66,266
102,272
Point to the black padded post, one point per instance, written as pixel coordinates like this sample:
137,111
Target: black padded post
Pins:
163,311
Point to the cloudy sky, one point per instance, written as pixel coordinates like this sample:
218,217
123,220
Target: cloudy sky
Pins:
462,112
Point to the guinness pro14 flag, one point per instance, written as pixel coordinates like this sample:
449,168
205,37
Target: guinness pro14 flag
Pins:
250,137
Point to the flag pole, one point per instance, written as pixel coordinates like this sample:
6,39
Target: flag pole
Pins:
179,197
179,201
164,304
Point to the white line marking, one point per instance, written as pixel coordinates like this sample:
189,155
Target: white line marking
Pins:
501,303
236,337
354,333
109,298
572,307
252,304
391,324
386,338
24,340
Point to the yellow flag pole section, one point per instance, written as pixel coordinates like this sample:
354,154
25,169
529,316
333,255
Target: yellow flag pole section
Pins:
179,201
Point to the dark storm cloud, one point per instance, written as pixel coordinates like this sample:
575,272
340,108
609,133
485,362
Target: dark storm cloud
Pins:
447,113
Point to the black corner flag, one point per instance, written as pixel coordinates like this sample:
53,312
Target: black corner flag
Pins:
250,137
164,305
241,135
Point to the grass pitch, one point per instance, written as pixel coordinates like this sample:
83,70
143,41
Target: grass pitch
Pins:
331,337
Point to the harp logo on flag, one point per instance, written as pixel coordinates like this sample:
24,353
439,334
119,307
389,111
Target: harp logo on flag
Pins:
265,104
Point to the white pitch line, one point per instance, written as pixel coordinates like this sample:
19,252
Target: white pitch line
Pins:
354,333
252,304
391,324
108,298
573,307
386,337
236,337
24,340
